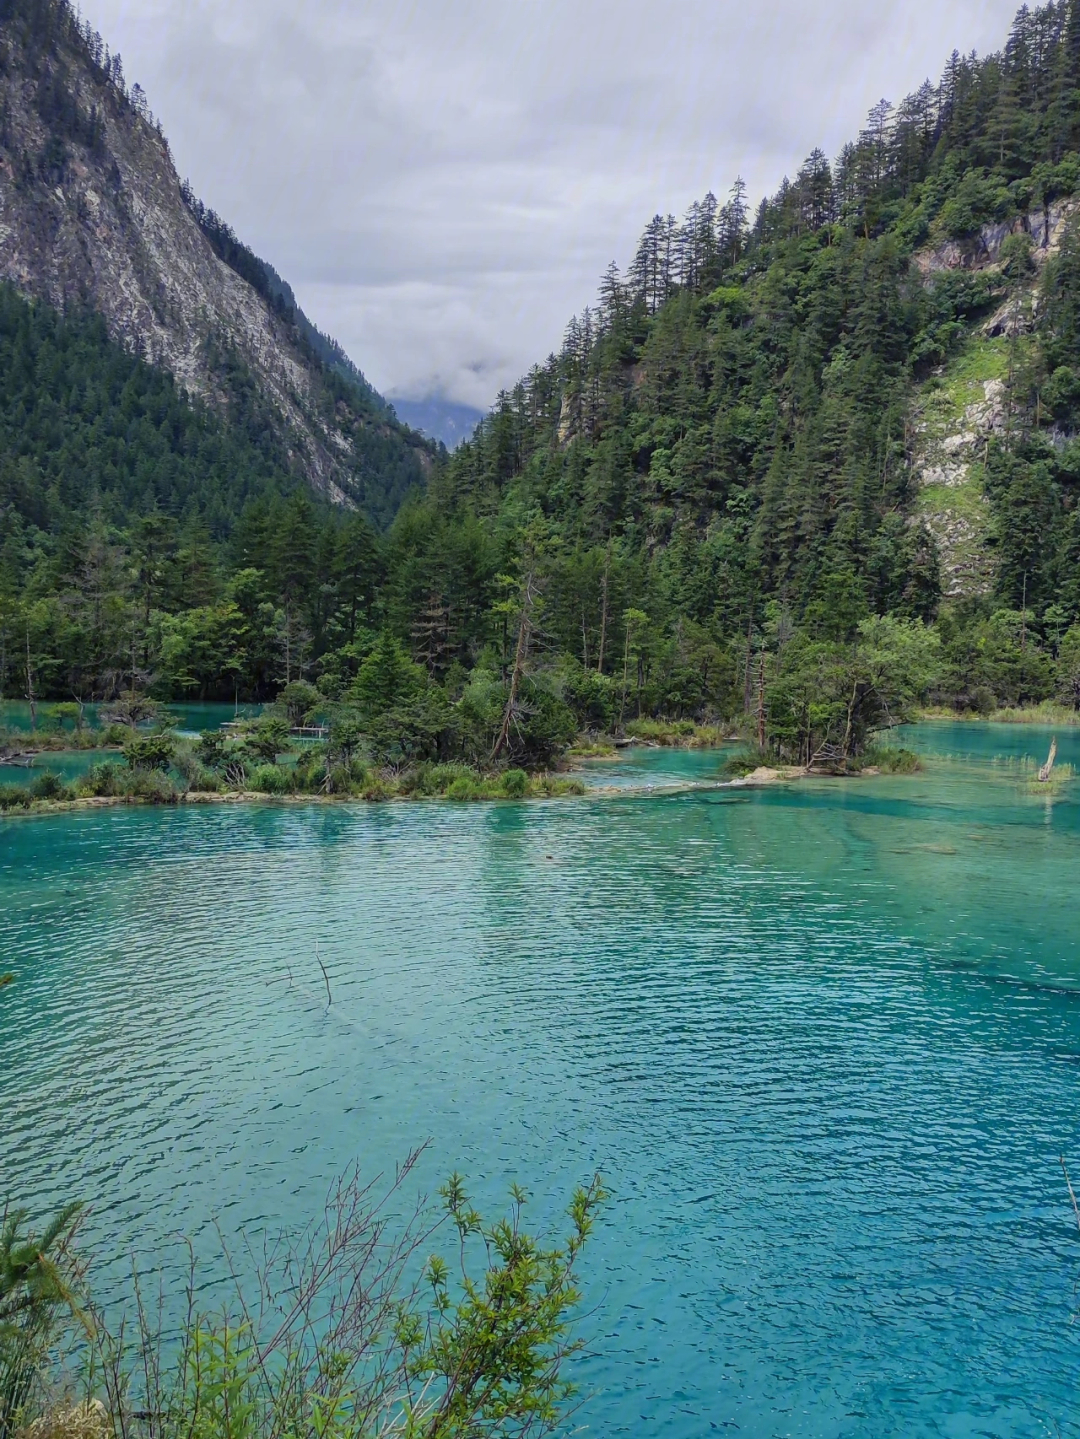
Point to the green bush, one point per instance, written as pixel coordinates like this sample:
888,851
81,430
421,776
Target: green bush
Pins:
1061,393
417,782
110,781
204,781
593,698
489,1347
515,783
338,781
102,780
152,785
300,702
268,738
553,786
67,710
268,779
892,761
463,790
149,752
211,748
976,201
49,786
1015,256
15,796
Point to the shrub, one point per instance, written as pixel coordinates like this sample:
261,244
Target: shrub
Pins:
515,783
339,780
111,781
593,698
1015,256
977,199
102,780
268,779
553,786
152,785
1061,392
186,763
463,790
211,748
893,761
49,786
424,729
38,1283
349,1322
15,796
416,782
70,711
745,762
308,770
204,781
149,752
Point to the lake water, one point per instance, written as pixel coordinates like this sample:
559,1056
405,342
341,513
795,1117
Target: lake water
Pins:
71,765
823,1040
192,718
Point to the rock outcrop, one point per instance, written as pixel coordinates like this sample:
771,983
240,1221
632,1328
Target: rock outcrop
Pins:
982,250
966,404
952,430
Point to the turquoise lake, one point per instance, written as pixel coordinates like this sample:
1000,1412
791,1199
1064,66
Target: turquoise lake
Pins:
15,714
823,1041
71,765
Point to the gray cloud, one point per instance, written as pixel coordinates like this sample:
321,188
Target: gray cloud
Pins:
443,184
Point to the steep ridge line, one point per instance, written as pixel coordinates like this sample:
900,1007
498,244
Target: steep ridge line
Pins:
92,214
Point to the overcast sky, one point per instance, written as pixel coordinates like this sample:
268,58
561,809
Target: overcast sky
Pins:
443,183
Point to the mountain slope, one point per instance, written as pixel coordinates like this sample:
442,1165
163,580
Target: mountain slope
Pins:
806,464
92,215
757,407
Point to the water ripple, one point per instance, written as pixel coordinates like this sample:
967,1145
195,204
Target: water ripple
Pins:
832,1153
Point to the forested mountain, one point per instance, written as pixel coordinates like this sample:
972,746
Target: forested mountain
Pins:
804,463
94,218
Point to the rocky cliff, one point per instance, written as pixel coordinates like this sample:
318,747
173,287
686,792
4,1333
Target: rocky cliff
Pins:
966,403
92,213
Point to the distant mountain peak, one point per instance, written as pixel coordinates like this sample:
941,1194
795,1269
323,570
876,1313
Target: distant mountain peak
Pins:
447,421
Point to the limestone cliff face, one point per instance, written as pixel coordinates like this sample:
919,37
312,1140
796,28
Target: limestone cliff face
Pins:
982,250
966,403
92,213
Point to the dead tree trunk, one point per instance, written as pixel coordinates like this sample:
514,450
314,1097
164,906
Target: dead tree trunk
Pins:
1048,767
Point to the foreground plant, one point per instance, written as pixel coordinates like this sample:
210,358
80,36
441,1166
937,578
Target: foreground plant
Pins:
39,1283
349,1334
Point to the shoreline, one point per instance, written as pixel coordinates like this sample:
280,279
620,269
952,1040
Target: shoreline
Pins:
761,778
43,807
1027,715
